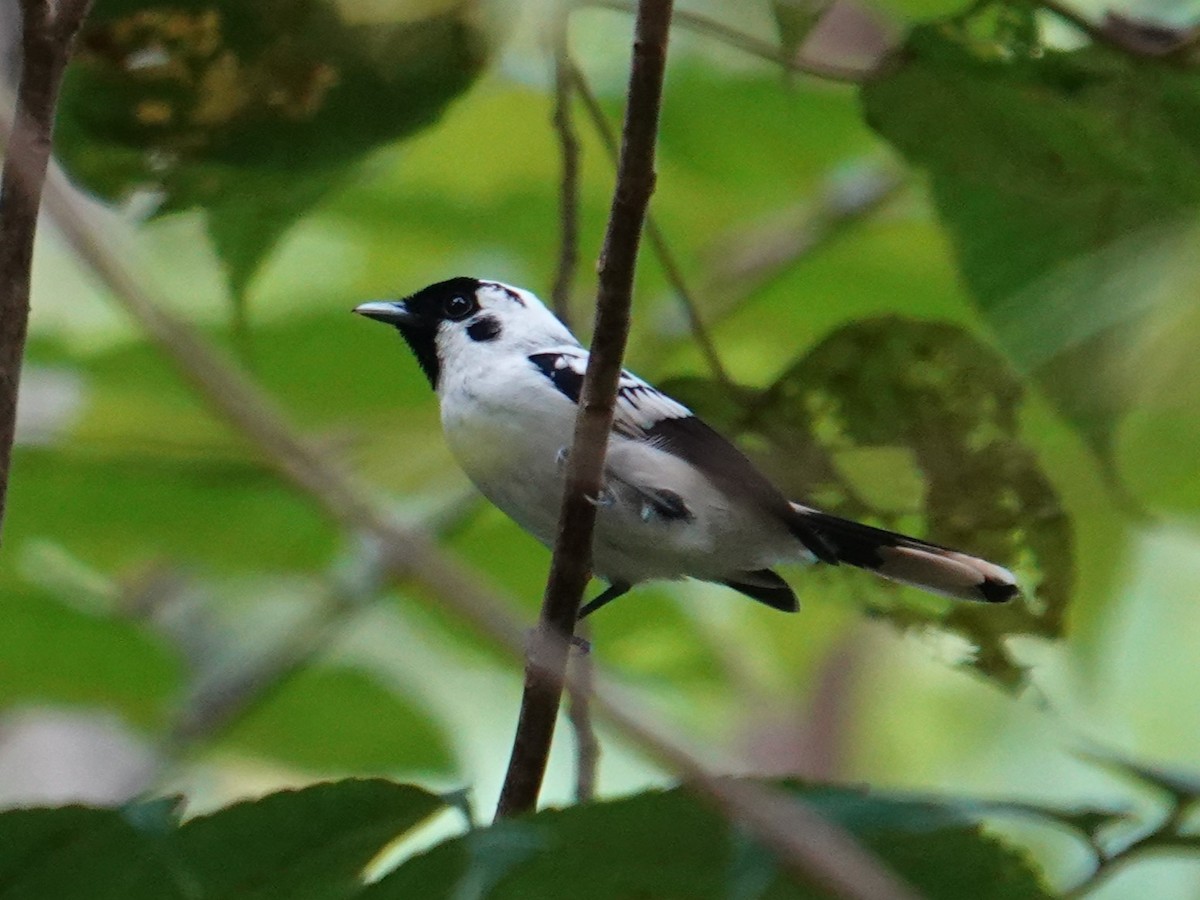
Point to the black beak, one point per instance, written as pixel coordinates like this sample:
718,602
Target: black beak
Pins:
393,312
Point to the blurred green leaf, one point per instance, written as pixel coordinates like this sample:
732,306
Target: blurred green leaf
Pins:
795,19
253,111
616,849
1183,786
1054,173
118,510
79,853
311,843
933,394
52,653
342,720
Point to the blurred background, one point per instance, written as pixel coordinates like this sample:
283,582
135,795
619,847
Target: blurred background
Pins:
959,301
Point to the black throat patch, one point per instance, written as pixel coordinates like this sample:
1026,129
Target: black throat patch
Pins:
423,343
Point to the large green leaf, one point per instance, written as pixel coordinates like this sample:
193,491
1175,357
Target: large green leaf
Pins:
916,426
668,845
311,843
79,853
1067,183
252,111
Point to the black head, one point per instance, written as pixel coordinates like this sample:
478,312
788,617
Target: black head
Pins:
468,323
419,316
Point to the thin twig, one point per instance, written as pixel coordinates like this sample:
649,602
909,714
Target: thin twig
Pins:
751,45
570,568
655,237
579,714
47,35
568,192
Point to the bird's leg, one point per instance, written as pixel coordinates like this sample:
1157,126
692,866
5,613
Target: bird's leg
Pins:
612,592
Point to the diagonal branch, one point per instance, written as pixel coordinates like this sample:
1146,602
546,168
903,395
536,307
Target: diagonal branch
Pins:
751,45
570,569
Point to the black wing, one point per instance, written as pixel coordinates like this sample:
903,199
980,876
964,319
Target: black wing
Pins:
644,412
639,406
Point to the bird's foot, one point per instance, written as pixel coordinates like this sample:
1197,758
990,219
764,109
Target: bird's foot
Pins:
605,499
581,645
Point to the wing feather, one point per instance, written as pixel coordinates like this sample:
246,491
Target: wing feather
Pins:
643,412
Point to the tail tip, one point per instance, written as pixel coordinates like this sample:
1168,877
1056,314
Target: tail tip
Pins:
995,590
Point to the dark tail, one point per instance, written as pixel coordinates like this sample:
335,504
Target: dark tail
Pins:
908,560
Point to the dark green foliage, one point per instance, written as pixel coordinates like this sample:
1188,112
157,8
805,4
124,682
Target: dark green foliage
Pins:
79,853
250,111
669,846
310,844
932,394
1066,181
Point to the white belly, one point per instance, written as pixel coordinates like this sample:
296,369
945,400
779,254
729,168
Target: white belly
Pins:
518,469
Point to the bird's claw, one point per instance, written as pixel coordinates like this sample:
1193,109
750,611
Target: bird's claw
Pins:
604,500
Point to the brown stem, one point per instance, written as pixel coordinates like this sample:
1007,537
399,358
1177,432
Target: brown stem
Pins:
46,39
579,713
570,568
568,193
655,237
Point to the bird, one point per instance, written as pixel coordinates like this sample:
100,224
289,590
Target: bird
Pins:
678,500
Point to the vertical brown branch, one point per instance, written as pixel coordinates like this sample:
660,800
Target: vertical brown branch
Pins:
46,40
570,569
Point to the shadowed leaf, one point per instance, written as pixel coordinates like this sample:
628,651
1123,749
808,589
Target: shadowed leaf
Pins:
669,845
311,843
81,853
930,398
252,111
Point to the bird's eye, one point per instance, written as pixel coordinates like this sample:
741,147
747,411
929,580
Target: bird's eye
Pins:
458,307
